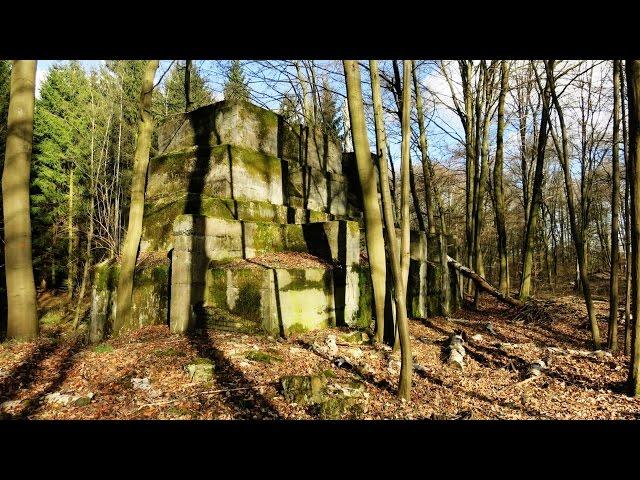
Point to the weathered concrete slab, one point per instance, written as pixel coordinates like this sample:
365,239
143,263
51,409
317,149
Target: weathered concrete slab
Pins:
224,171
150,296
226,122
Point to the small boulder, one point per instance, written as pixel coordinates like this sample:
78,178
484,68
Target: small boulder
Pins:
303,389
201,370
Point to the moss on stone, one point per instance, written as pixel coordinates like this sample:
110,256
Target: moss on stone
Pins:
365,301
106,276
216,287
169,352
295,328
258,356
299,280
202,361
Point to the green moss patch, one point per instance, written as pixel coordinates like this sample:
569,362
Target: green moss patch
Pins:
263,357
103,348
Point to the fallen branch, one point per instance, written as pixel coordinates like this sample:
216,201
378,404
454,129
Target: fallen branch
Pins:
206,392
482,283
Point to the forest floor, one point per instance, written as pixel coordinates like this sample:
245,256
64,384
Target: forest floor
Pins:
141,375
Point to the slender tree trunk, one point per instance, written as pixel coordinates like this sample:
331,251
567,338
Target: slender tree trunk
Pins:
87,255
136,207
187,85
22,317
306,108
71,264
403,326
536,196
563,155
431,192
627,218
424,153
615,208
400,289
498,187
633,92
366,174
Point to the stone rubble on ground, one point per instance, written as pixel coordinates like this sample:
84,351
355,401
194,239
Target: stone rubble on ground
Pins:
66,399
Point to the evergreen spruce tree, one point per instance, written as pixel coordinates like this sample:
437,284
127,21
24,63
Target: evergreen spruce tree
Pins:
174,96
60,150
236,87
330,118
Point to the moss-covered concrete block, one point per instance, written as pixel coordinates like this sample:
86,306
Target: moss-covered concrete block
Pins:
304,299
311,147
150,295
229,121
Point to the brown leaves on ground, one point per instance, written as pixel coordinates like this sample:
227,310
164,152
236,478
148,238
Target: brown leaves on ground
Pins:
246,385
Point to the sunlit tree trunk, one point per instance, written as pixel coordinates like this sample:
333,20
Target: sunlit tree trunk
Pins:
71,264
563,155
136,207
633,92
405,165
536,196
615,208
498,188
392,242
22,317
366,174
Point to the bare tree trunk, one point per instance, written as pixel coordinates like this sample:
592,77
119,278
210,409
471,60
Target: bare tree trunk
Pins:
71,264
92,192
306,108
187,85
403,326
424,153
372,216
400,289
536,196
633,177
136,208
22,317
563,155
615,207
498,187
627,219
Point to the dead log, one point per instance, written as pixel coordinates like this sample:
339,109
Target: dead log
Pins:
456,351
482,283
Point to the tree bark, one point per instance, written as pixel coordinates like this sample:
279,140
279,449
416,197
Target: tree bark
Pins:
187,85
22,317
633,92
400,296
536,195
563,155
71,265
136,208
372,217
498,187
615,208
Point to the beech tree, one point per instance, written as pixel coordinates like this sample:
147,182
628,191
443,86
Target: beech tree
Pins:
372,217
136,208
633,177
21,290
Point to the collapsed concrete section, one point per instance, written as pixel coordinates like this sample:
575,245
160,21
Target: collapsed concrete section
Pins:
252,224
